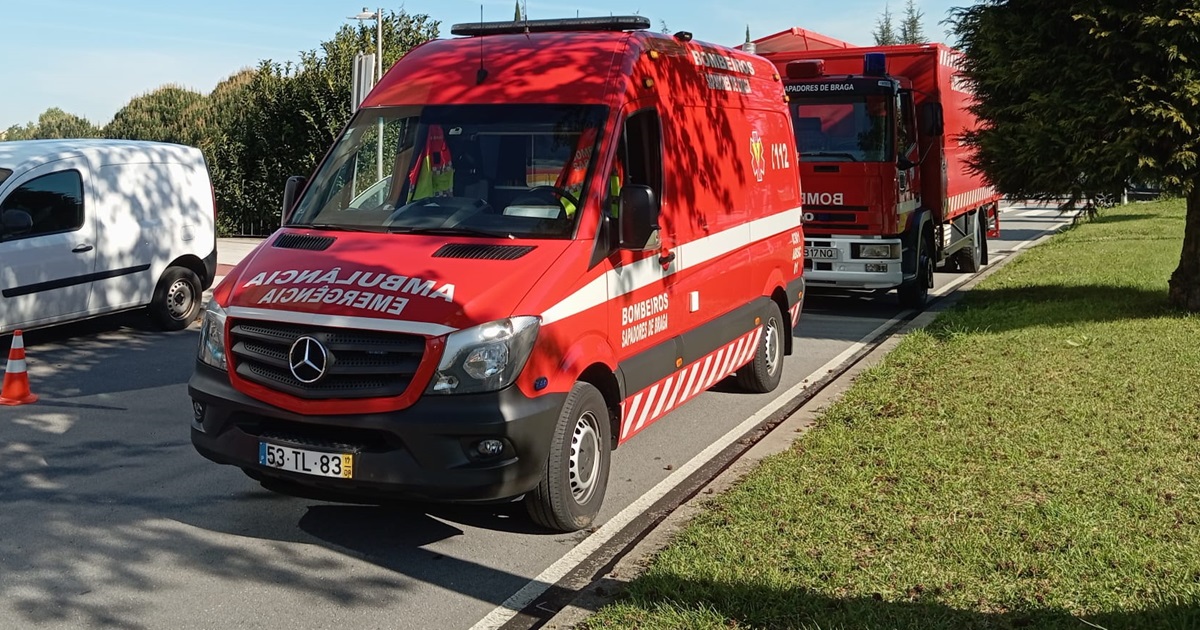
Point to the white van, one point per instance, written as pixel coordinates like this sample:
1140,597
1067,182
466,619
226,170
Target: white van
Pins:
89,227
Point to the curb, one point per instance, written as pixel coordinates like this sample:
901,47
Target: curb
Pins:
604,588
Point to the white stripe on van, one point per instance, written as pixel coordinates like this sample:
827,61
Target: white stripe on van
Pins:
644,272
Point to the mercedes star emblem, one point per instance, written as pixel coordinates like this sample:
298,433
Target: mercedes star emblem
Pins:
308,360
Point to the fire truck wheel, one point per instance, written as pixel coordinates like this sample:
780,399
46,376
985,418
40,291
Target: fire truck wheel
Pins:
983,231
763,373
576,475
915,293
970,259
176,301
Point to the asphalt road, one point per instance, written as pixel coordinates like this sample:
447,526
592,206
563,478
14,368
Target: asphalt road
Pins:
108,518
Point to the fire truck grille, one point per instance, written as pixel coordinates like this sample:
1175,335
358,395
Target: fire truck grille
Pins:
316,362
837,218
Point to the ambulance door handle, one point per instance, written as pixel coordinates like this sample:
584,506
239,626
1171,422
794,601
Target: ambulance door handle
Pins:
666,259
79,249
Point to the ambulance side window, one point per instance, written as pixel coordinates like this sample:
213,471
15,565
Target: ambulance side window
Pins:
642,151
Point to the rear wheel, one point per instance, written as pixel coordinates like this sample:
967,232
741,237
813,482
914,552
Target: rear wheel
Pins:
576,476
176,301
762,374
970,258
983,233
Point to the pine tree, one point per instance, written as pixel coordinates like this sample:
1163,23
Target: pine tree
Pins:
518,17
747,33
910,28
885,32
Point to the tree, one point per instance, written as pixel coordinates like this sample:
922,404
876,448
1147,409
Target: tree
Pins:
747,33
911,31
1077,97
885,32
157,115
289,115
518,16
53,123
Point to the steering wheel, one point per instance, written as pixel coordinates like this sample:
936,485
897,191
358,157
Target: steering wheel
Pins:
558,192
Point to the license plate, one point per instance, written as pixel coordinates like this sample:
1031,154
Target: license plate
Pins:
340,465
821,253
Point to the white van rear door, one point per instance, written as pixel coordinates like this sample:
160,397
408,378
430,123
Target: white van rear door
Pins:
47,272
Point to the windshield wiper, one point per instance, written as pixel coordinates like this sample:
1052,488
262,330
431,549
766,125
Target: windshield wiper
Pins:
450,231
332,227
848,156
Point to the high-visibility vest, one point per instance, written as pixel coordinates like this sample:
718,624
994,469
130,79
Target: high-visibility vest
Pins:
573,176
432,174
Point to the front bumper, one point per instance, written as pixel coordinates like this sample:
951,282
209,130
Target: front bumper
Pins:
425,452
846,272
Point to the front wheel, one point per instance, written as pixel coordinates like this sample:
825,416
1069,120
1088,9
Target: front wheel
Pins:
572,487
762,374
914,293
176,301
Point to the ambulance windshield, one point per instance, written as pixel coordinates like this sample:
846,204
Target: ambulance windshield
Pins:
513,171
851,128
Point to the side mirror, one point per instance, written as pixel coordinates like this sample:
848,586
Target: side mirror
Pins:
930,119
291,190
15,223
638,218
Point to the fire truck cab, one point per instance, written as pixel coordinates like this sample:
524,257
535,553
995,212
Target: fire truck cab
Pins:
529,244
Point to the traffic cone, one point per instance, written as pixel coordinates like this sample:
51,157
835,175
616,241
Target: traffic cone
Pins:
16,380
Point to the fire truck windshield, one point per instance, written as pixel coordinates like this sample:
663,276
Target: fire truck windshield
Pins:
515,171
854,128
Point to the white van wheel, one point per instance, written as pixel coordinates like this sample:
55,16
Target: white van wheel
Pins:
762,374
176,301
576,476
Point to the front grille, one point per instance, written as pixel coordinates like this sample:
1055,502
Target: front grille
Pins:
358,363
837,218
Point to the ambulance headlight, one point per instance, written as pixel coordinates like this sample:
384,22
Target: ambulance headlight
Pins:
212,336
485,358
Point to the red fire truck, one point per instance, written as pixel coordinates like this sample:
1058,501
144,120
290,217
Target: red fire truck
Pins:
571,228
888,194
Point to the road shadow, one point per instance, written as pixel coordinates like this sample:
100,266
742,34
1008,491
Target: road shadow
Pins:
745,605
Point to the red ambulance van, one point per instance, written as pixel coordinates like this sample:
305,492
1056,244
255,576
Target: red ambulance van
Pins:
528,245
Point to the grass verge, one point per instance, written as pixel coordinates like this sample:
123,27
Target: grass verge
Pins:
1028,461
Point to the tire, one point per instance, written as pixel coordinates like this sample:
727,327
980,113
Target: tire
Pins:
983,244
970,259
763,373
176,301
914,293
576,476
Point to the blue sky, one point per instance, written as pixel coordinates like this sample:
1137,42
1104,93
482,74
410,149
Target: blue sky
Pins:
89,57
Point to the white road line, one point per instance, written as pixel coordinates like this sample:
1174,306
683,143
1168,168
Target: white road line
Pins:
503,613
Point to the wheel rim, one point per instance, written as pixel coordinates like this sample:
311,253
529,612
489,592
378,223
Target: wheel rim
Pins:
772,346
585,457
179,299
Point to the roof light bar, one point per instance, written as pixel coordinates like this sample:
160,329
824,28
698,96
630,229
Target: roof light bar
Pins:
612,23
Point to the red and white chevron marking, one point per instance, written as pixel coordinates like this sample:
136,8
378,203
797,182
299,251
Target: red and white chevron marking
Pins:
643,408
794,311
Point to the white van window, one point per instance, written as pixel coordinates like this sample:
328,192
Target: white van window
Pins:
4,173
54,202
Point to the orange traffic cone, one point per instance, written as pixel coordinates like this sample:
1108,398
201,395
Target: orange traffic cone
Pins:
16,380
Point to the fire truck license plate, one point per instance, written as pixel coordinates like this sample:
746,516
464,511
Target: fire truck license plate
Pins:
340,465
821,253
